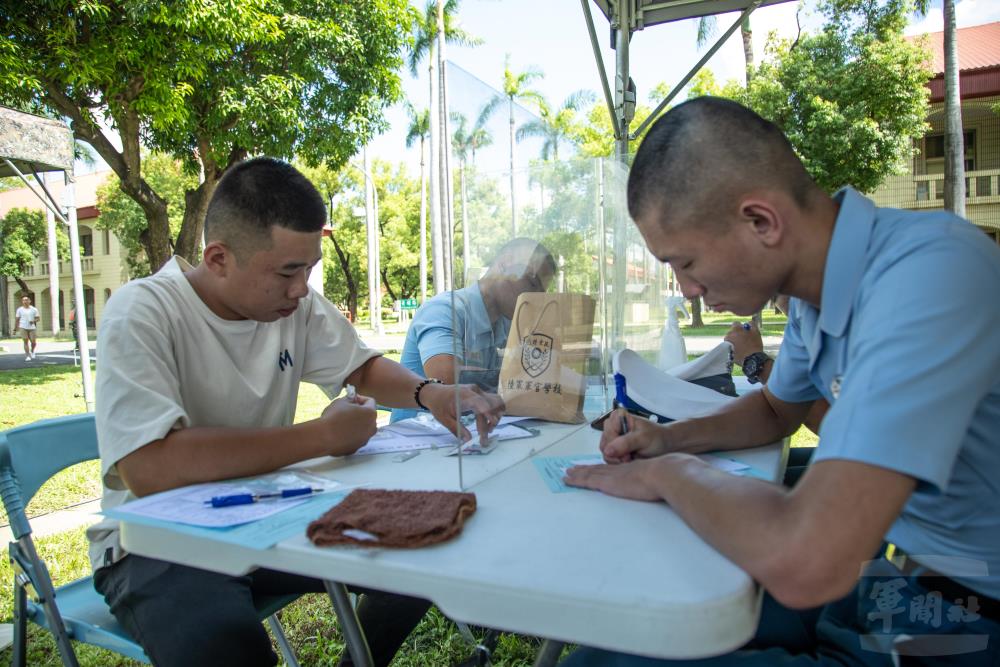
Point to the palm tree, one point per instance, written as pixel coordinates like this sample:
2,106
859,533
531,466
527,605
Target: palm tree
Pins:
419,128
515,89
706,29
954,141
425,34
555,125
464,142
747,34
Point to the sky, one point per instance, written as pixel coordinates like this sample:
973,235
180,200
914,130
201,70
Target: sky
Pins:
551,36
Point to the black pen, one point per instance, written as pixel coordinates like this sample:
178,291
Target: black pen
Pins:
624,423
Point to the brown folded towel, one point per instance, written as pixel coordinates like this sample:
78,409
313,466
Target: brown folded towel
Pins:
404,519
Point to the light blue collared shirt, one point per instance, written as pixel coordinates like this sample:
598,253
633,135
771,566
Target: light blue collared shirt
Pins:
906,349
478,342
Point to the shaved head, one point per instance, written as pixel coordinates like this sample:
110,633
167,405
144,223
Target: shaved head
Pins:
255,196
700,157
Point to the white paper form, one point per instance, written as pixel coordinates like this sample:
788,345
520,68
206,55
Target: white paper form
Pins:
187,504
413,434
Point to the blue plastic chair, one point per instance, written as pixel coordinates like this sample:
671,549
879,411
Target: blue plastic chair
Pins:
29,456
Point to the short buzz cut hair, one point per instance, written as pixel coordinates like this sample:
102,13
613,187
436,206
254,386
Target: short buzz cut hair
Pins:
702,155
523,252
256,195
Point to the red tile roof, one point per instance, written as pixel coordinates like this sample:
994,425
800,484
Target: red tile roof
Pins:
978,47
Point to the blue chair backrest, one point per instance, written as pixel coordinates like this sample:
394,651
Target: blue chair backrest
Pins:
30,455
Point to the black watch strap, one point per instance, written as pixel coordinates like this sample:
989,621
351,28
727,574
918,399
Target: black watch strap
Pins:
753,364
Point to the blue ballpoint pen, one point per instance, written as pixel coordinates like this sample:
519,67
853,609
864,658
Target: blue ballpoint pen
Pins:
250,498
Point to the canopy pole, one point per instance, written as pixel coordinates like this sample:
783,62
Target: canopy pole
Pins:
694,70
589,19
81,306
49,203
624,91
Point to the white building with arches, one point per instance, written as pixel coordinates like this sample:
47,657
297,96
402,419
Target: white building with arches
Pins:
101,257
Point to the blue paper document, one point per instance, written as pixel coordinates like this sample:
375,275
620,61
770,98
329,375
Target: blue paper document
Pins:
553,468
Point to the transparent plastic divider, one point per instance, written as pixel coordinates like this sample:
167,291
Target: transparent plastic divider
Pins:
539,314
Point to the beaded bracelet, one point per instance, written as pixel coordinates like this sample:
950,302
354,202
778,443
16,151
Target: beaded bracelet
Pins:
416,392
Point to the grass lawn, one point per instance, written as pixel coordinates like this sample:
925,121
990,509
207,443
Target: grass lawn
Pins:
718,324
51,391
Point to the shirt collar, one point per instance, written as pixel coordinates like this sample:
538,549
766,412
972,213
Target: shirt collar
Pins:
479,320
845,260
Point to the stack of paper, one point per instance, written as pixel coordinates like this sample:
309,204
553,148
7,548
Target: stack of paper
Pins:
425,432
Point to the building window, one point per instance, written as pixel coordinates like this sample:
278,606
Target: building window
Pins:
86,242
934,148
107,241
88,303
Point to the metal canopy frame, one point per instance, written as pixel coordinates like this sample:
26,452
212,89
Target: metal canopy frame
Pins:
35,145
628,16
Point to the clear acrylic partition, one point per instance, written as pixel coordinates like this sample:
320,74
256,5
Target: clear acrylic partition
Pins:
528,280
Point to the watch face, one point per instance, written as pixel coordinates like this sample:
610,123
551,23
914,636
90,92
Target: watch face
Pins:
752,366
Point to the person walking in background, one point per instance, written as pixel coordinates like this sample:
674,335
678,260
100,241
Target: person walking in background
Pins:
71,318
27,321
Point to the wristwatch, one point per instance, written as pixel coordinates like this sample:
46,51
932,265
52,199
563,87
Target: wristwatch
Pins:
753,364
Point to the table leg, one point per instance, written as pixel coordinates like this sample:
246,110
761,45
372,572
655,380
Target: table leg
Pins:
549,654
349,624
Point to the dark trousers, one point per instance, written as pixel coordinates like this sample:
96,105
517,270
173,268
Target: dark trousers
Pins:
186,616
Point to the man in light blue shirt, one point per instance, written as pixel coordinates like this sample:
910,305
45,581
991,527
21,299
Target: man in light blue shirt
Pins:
893,321
459,336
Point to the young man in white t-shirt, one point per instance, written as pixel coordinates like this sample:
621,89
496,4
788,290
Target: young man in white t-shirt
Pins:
199,374
27,321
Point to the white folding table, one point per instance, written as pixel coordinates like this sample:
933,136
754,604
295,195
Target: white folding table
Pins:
576,567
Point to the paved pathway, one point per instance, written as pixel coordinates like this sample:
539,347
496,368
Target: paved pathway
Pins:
46,354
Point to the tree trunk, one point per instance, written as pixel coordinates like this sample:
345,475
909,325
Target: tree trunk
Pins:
747,35
444,167
385,281
193,224
423,225
4,309
352,286
466,237
437,247
25,290
513,200
155,238
954,141
696,320
126,164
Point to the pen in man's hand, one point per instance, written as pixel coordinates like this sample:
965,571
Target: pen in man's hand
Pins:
624,423
352,393
250,498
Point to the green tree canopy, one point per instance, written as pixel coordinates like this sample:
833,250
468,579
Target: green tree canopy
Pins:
209,83
23,236
851,98
122,215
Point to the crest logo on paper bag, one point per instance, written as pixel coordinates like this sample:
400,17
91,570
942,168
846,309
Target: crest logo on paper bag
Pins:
536,354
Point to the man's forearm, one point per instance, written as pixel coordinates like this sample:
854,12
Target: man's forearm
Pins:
204,454
389,383
746,422
745,519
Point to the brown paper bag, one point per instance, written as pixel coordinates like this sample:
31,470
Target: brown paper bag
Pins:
543,374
